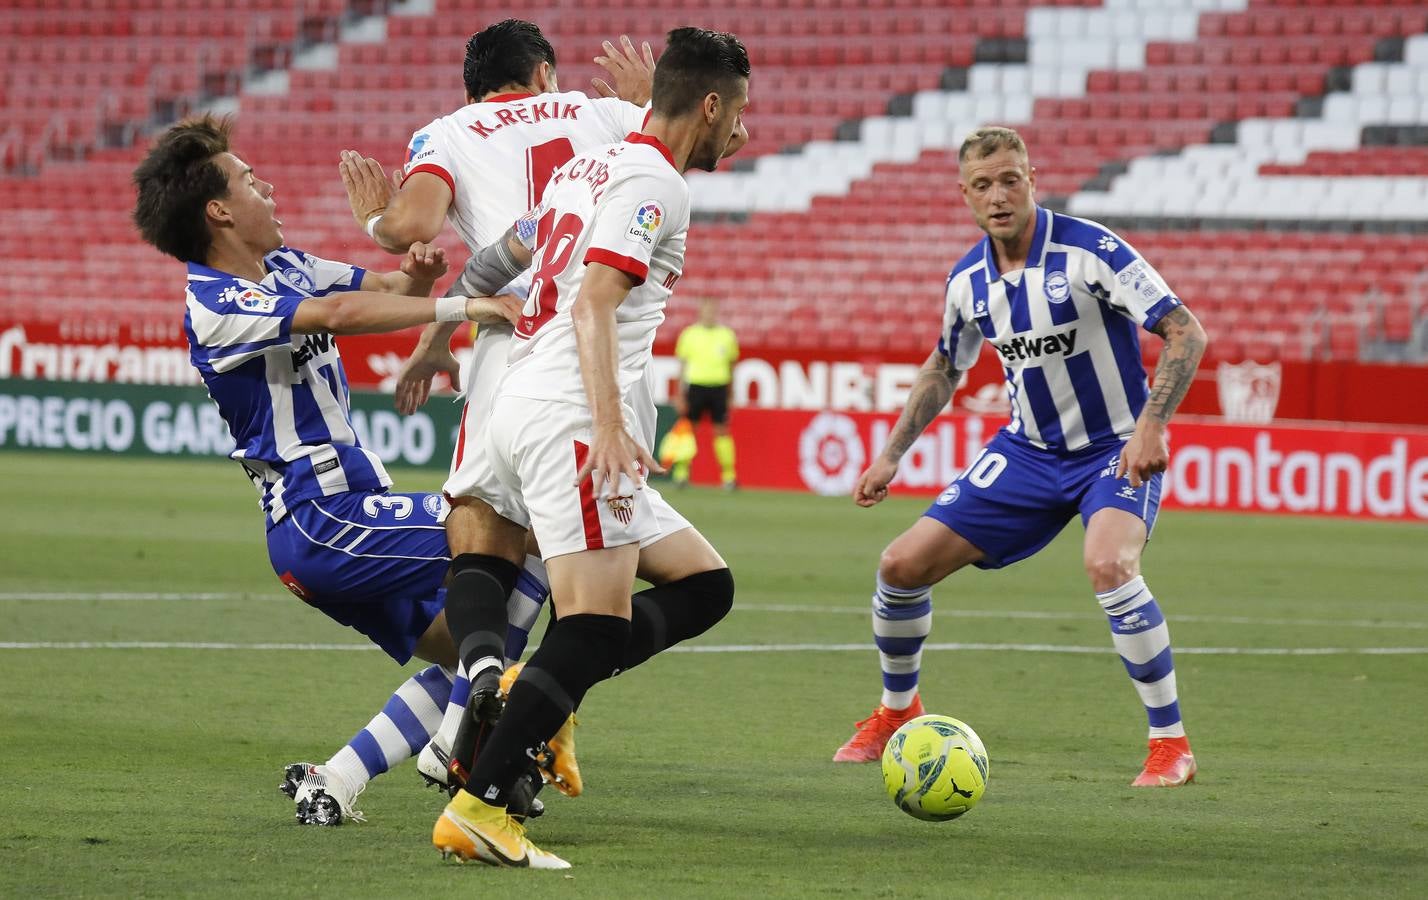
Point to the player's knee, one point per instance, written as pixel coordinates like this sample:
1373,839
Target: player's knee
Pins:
899,568
1109,571
713,592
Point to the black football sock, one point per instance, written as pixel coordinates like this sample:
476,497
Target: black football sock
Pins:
476,612
577,652
665,615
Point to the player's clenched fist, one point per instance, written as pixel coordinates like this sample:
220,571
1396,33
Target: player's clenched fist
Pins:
872,486
1147,453
424,262
501,308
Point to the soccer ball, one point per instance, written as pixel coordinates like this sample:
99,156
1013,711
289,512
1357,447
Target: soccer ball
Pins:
935,768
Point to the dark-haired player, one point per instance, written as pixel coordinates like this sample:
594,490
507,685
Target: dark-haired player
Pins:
564,453
261,320
481,167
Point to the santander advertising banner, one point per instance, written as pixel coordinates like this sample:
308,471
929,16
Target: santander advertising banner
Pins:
1302,469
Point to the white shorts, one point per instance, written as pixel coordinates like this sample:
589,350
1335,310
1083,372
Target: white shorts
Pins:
534,448
471,474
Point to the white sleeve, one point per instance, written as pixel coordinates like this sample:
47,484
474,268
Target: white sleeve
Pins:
427,152
961,338
235,324
632,216
328,277
618,118
1137,290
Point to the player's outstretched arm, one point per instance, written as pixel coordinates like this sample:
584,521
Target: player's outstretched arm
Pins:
613,452
1148,452
931,392
368,312
395,215
487,271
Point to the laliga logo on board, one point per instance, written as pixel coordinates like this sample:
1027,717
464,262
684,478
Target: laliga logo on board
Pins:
830,454
1249,391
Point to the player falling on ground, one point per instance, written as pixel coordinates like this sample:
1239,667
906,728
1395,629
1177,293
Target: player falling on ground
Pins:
562,455
1059,298
260,320
482,167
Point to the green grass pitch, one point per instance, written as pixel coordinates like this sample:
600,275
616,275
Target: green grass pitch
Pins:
152,772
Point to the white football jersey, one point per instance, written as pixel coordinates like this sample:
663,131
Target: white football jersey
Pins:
498,155
624,206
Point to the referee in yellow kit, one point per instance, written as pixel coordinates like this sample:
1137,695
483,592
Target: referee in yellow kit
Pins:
707,352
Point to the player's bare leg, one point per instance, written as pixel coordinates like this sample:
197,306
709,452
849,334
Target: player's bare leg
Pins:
435,643
917,559
1114,540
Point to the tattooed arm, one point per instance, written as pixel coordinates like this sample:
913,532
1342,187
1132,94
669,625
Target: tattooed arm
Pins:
1147,452
931,392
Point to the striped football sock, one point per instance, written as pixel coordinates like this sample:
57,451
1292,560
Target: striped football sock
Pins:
902,620
1142,639
399,731
524,606
523,611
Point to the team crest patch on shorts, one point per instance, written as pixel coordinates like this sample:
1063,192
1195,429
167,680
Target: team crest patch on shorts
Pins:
623,508
947,497
434,505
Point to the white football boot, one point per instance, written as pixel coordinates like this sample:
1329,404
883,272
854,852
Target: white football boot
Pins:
322,795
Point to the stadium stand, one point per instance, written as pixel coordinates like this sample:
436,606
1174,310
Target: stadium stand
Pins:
1270,156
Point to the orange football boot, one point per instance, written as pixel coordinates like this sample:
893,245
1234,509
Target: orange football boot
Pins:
873,733
559,767
1169,764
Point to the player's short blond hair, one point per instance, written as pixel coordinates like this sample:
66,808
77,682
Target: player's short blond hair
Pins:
985,141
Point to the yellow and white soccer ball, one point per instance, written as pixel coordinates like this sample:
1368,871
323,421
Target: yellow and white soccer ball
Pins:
935,768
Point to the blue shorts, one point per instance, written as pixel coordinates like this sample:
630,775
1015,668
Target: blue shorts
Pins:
372,561
1014,499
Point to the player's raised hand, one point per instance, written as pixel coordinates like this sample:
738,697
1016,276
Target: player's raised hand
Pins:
419,371
368,189
631,72
424,262
616,463
872,486
1146,453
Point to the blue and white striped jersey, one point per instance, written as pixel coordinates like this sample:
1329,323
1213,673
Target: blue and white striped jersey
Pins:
1064,327
283,395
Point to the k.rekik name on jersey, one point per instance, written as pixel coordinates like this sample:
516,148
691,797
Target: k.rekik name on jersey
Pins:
526,115
1035,348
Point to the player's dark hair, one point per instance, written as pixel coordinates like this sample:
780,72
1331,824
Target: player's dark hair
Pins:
695,63
505,53
176,181
985,141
